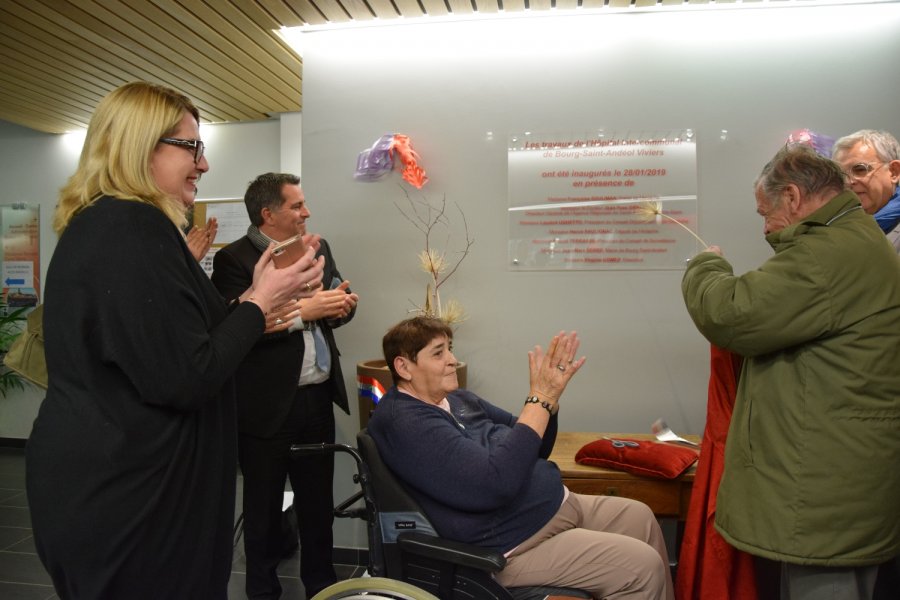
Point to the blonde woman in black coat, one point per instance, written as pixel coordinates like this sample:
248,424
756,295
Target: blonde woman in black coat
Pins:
131,465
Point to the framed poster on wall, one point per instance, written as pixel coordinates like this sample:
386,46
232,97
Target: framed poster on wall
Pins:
21,259
231,215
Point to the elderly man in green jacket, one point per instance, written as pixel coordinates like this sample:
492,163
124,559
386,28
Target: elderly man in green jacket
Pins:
811,463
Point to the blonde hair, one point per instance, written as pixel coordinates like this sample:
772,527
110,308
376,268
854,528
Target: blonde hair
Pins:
118,147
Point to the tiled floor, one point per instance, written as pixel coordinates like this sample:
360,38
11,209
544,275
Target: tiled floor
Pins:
22,577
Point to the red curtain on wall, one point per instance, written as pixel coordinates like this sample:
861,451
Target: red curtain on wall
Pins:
709,568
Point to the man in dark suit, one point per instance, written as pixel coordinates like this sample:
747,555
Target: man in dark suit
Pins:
285,388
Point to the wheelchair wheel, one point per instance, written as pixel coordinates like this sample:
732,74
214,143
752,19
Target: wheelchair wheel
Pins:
373,588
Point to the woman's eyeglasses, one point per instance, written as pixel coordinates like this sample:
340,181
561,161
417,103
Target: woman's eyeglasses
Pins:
195,145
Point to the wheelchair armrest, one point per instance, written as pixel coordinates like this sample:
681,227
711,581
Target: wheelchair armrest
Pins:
457,553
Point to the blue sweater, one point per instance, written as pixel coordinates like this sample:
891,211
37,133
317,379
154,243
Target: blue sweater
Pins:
480,477
889,214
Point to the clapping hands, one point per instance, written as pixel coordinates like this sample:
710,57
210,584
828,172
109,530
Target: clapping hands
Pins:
200,239
550,373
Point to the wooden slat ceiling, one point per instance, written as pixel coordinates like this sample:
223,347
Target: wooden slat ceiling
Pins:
58,58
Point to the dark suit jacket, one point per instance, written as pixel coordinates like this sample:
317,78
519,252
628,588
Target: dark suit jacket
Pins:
267,378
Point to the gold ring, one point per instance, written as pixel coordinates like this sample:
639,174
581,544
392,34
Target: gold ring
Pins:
308,287
560,367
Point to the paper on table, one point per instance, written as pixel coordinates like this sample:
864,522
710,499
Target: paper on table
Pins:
664,434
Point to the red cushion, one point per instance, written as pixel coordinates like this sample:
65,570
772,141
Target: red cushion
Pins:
650,459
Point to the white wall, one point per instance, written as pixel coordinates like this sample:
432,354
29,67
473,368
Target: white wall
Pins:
291,128
237,153
757,74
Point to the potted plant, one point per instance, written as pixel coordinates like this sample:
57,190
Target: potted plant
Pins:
430,219
11,322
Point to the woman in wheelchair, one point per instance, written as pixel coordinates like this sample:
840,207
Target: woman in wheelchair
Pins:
482,477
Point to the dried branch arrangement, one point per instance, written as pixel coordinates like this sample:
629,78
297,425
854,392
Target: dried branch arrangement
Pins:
431,220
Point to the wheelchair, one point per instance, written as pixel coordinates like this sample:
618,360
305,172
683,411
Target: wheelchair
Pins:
404,547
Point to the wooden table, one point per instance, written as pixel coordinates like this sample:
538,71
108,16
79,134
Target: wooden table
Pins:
668,498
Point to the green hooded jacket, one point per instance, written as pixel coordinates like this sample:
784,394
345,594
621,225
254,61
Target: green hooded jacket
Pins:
812,462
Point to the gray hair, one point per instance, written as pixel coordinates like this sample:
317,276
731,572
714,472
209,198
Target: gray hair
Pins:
802,166
885,145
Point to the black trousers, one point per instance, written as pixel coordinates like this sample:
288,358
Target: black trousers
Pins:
265,465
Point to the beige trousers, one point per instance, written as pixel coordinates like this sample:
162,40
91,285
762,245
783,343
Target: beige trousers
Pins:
607,546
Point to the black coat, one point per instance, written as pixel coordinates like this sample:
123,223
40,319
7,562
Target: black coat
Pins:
131,470
267,379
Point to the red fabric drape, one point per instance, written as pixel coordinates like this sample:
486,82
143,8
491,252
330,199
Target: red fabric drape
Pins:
708,567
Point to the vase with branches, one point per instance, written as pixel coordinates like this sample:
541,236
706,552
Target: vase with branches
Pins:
430,218
432,221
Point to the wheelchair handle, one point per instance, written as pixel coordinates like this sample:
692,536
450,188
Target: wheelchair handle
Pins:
314,449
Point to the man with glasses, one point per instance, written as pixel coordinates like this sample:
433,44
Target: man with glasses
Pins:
871,161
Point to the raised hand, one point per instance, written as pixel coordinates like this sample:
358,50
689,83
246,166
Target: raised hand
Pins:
200,239
550,373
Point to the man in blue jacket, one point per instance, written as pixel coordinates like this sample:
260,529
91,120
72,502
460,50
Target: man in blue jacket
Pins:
871,161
